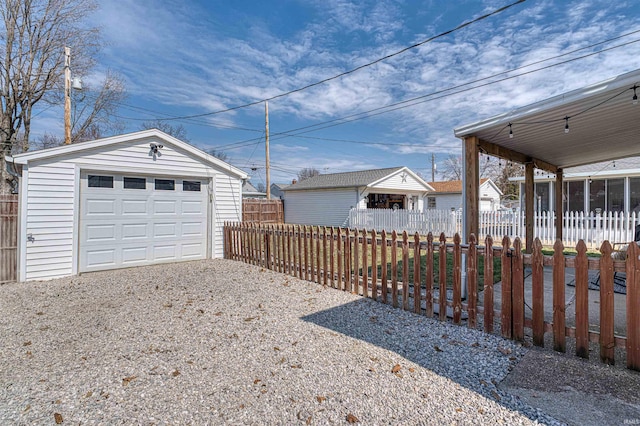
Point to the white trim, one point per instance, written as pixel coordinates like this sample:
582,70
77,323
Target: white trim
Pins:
75,245
22,220
140,172
211,217
407,170
25,157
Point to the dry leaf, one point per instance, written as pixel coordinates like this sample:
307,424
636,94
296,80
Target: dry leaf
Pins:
88,394
27,343
411,370
308,420
297,366
437,348
396,368
458,409
167,305
275,348
175,373
250,318
475,344
27,408
256,381
218,313
321,398
352,419
372,369
126,380
399,375
29,354
496,396
58,418
505,351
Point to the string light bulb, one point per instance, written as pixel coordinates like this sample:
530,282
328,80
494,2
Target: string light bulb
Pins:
510,132
566,124
635,96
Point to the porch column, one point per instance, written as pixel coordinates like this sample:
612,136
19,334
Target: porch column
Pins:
529,190
559,207
471,187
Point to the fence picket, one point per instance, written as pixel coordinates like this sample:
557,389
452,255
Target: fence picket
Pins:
559,343
383,266
416,274
633,313
356,262
517,290
607,339
347,260
405,271
582,301
472,281
442,278
394,268
365,265
537,302
429,280
457,280
331,256
339,259
507,305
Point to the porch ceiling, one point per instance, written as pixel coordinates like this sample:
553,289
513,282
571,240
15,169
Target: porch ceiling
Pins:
603,125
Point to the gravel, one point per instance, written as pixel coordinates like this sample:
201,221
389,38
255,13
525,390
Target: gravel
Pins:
221,342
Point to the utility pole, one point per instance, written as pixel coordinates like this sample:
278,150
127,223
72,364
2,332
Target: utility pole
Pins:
67,95
266,144
433,167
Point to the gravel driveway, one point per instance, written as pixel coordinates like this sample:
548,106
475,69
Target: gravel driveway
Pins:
221,342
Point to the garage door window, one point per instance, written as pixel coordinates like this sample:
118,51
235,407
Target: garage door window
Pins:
165,184
135,183
96,181
190,185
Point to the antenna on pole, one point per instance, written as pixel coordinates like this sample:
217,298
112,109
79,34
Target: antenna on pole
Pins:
67,95
266,143
433,167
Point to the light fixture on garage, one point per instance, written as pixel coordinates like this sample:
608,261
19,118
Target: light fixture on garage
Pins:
510,131
154,147
566,124
634,100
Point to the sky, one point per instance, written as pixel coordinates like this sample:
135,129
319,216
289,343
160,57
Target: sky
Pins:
198,58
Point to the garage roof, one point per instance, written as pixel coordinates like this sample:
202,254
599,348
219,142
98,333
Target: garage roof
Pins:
603,122
26,157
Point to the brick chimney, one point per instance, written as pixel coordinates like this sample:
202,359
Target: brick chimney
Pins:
293,182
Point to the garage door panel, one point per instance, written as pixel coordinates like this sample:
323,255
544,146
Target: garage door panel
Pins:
134,207
100,207
161,230
164,206
101,233
133,226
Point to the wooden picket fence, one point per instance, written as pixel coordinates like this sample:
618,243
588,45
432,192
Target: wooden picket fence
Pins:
256,210
8,238
378,266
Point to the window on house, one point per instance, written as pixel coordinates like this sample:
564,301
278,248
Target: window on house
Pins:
135,183
96,181
634,194
165,184
431,202
574,196
191,185
615,195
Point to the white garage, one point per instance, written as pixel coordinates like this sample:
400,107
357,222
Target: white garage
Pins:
129,200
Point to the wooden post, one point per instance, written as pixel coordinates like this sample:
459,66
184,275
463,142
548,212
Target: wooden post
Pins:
311,254
582,300
457,280
339,258
429,280
365,263
347,260
394,268
537,283
305,248
633,302
405,271
318,258
472,185
417,292
331,262
517,290
442,278
300,254
288,229
472,281
559,197
383,261
607,339
374,265
356,261
488,284
506,324
529,192
558,298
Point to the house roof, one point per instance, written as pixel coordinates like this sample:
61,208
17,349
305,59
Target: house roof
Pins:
451,186
343,180
26,157
248,187
602,121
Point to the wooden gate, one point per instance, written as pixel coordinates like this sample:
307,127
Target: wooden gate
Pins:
8,238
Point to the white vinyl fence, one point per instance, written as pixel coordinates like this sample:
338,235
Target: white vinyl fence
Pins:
593,228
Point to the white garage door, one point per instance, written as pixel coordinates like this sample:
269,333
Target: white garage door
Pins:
128,220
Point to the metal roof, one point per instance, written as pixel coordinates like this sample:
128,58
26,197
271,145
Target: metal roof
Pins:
343,180
604,125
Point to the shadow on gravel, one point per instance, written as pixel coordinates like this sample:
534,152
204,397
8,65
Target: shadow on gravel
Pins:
472,359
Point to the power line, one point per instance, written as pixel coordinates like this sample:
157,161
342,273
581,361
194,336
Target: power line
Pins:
300,89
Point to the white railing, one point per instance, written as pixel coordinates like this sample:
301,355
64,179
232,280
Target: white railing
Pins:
593,228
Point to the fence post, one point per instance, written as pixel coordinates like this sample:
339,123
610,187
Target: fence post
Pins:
633,301
457,279
417,291
537,283
365,263
442,278
582,300
331,262
472,281
607,339
347,260
558,298
339,258
394,268
429,279
324,256
488,284
405,271
506,324
374,265
517,274
383,262
356,262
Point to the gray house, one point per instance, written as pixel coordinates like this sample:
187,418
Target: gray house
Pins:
326,199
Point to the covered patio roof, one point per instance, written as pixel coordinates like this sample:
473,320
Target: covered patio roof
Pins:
603,123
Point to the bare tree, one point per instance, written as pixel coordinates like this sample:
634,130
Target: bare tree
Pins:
218,154
32,42
452,167
177,131
307,172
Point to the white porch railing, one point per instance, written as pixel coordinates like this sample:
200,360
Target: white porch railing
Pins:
593,228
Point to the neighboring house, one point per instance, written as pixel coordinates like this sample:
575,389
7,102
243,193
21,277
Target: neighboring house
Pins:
447,195
327,198
609,186
277,190
250,191
129,200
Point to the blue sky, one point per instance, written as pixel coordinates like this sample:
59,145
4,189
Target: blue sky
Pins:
187,58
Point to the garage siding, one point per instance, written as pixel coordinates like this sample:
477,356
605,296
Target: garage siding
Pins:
52,193
329,207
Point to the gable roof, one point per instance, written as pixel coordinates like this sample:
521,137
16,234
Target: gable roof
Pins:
451,186
349,179
26,157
